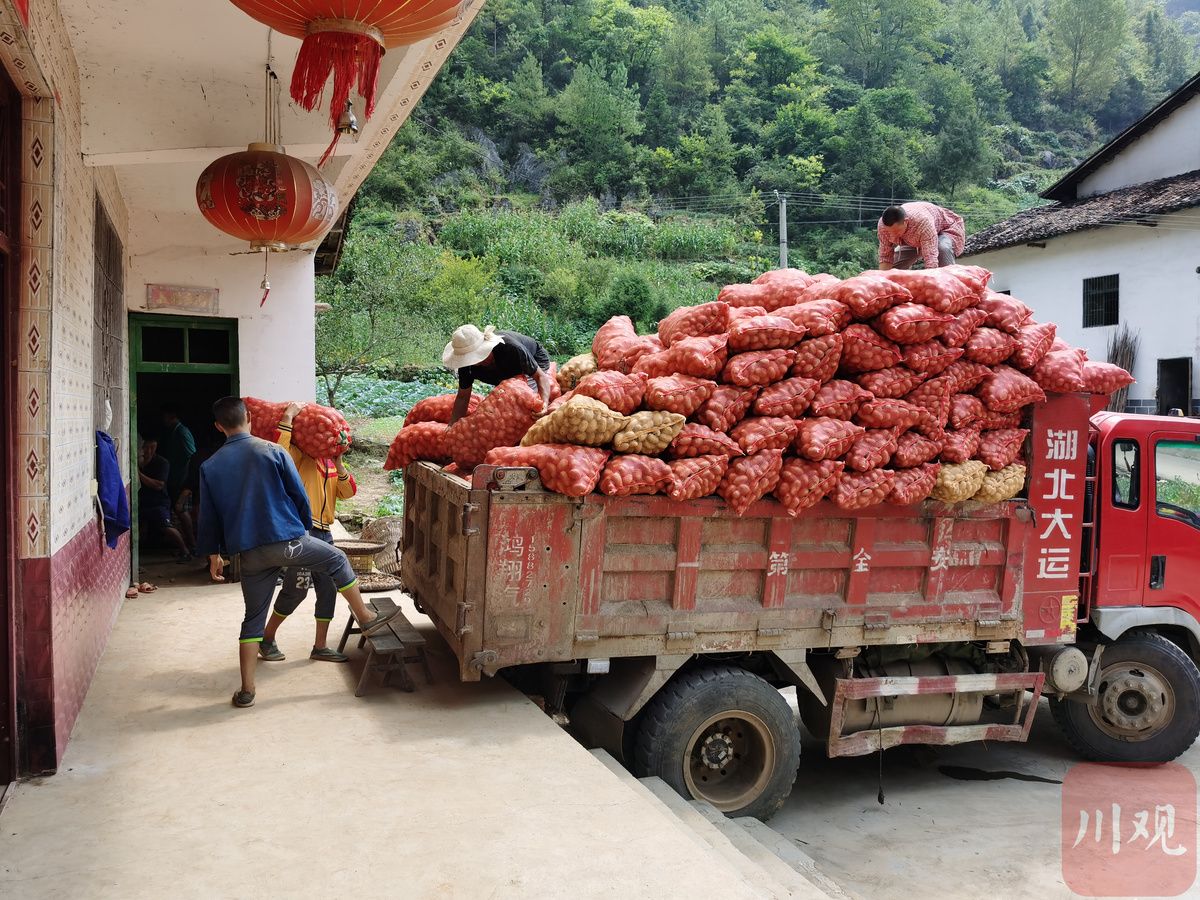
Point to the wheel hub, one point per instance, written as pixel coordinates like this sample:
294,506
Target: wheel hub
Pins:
717,751
729,759
1134,701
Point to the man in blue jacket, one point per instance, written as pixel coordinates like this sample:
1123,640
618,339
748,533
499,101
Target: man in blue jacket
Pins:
253,503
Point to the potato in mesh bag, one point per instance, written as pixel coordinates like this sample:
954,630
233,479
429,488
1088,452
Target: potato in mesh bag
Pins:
750,478
1060,371
500,421
818,317
914,449
790,397
1002,485
838,399
818,358
764,333
574,369
702,357
1104,378
913,485
959,331
726,407
569,469
965,410
737,313
764,433
865,350
804,483
989,346
1006,390
959,446
912,323
683,394
930,357
957,482
1000,448
618,346
935,288
891,383
965,375
543,431
619,392
1034,341
888,413
649,432
872,450
634,474
1004,312
760,367
858,490
868,295
700,440
422,440
826,438
696,476
694,321
586,422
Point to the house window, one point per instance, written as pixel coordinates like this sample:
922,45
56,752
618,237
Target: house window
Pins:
1100,301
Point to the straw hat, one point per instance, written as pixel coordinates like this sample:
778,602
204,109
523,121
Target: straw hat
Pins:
470,346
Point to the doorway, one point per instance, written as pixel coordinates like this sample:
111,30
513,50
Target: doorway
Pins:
10,187
1175,385
178,366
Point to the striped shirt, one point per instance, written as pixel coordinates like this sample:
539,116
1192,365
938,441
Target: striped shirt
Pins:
923,222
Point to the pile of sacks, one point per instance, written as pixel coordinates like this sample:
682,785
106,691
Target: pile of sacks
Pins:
885,387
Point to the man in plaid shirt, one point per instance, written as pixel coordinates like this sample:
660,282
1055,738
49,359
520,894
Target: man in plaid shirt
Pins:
919,230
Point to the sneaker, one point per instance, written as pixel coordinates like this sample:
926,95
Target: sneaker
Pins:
326,654
269,650
243,699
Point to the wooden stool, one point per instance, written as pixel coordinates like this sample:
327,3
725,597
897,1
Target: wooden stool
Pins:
390,649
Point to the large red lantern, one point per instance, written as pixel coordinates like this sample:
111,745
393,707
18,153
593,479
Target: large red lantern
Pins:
347,38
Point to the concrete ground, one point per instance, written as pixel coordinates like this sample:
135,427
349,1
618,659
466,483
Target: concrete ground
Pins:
453,791
943,830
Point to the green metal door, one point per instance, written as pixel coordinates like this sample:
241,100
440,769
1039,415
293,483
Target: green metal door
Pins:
187,359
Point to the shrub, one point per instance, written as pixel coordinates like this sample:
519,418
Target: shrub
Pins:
691,239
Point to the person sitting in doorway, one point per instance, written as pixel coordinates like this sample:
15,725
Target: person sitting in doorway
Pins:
919,230
252,503
154,506
493,356
326,481
178,447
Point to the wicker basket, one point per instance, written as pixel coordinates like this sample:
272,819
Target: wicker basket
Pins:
388,530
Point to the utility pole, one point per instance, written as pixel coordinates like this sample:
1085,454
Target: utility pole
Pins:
783,243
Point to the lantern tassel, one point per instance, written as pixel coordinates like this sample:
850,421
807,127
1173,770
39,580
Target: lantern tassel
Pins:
352,59
265,284
337,136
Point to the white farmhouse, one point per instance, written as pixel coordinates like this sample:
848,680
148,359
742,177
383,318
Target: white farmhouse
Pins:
1119,246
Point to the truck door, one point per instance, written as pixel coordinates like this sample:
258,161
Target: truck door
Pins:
1120,492
1173,535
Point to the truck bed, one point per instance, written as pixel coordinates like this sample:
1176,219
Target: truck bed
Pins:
512,574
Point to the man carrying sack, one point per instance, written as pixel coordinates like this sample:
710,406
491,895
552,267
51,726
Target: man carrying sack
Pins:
493,356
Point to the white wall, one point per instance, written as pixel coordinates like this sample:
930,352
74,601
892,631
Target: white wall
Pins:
1159,288
1172,147
276,342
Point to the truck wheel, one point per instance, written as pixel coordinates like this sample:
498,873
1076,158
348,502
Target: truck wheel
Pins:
1148,708
723,735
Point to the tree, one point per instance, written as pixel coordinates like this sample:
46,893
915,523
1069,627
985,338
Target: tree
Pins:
527,108
874,39
1085,37
598,118
873,162
684,72
661,123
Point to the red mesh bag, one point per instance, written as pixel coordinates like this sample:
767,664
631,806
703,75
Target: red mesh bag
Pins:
438,409
764,295
965,410
872,450
959,446
750,478
818,317
818,439
556,403
764,433
322,432
888,413
965,376
681,394
858,490
757,367
500,421
785,277
912,323
696,477
701,357
960,330
1004,312
931,357
998,449
864,350
424,440
634,474
893,382
838,399
1060,371
1033,342
974,277
790,397
1104,378
700,440
913,485
912,449
803,484
990,346
935,288
264,418
618,346
869,295
564,468
1059,344
510,456
737,313
992,421
619,392
818,358
1006,390
933,397
820,289
726,407
764,333
694,321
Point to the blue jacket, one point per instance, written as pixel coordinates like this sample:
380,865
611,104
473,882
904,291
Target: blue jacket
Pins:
111,490
250,495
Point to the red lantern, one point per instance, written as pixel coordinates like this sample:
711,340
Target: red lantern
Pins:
266,197
347,38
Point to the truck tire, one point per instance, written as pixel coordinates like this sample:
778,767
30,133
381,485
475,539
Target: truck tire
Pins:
1148,708
724,735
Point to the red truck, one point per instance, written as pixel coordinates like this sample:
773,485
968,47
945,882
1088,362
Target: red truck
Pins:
664,630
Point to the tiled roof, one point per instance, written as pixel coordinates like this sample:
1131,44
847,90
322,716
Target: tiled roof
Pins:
1137,204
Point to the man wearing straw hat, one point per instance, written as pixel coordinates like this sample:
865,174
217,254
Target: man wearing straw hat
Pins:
493,356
